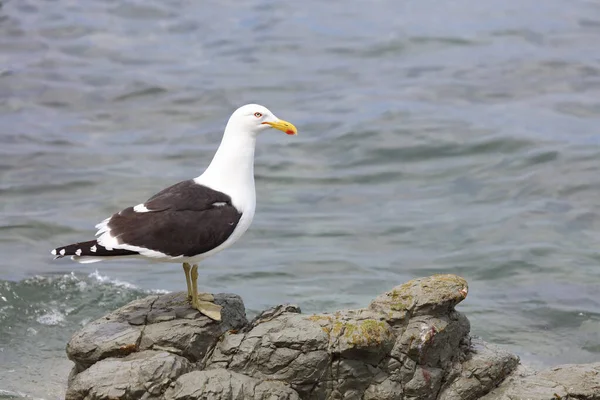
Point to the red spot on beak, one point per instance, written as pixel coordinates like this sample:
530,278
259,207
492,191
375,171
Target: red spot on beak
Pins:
282,125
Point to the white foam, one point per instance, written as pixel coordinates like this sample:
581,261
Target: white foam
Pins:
10,394
64,280
108,280
82,285
54,317
98,277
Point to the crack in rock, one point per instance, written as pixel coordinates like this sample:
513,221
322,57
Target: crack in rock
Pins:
409,343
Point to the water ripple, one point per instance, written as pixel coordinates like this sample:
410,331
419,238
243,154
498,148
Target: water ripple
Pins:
469,146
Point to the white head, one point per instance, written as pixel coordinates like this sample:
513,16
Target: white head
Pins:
232,168
254,118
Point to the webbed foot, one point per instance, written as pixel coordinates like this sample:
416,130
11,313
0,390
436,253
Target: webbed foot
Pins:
211,310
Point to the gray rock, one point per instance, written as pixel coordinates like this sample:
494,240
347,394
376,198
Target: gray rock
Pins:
434,295
485,367
570,381
144,375
272,313
410,343
287,348
161,322
220,384
352,352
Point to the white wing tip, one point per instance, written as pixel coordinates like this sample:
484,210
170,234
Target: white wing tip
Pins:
102,226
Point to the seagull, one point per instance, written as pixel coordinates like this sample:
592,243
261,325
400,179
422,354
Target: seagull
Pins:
193,219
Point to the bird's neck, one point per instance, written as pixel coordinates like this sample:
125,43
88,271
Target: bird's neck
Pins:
231,170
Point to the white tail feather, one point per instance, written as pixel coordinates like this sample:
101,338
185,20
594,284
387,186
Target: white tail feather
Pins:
87,259
93,259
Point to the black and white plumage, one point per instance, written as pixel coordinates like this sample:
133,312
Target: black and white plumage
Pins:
177,224
193,219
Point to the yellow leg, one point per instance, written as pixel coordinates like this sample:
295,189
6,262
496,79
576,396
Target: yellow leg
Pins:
201,296
206,307
188,280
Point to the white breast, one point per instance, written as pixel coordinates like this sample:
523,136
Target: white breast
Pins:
244,200
231,171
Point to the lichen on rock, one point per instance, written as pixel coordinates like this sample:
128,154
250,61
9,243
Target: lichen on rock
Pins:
409,343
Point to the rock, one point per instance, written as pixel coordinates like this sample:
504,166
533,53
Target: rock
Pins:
144,375
409,343
288,348
155,322
484,368
571,381
352,352
434,295
226,385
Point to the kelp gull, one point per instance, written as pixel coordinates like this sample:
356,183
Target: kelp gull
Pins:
193,219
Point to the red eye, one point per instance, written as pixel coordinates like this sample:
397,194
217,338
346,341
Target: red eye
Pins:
257,114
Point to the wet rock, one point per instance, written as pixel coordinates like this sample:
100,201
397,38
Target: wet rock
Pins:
409,343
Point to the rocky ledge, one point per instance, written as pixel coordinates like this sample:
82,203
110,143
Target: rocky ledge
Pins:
409,343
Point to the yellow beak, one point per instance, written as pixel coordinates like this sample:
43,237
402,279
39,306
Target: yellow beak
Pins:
283,126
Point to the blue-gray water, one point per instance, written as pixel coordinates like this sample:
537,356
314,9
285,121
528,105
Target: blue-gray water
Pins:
435,136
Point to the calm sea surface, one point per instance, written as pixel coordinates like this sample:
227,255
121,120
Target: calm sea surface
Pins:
435,137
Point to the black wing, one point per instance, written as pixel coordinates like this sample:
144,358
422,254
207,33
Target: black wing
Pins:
185,219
